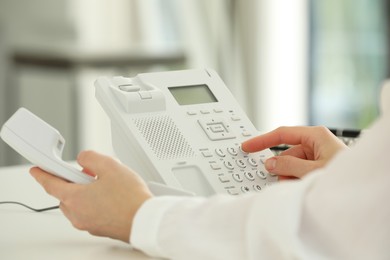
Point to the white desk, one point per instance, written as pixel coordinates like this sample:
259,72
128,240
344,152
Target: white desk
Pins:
25,234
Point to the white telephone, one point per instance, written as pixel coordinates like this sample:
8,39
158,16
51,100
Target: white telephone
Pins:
183,129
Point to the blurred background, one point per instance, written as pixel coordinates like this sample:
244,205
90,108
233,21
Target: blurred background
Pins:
298,62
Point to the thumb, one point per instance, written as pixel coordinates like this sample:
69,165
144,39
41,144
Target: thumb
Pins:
290,166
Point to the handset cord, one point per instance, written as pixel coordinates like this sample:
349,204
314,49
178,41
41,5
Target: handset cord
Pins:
33,209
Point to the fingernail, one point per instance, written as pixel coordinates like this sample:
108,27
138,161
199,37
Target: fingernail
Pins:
270,164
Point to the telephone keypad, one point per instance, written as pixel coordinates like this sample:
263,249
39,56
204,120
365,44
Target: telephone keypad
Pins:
239,172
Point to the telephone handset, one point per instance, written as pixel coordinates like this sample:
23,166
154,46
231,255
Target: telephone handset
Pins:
183,129
41,144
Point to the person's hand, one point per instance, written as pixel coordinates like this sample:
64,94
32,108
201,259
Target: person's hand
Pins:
311,148
105,207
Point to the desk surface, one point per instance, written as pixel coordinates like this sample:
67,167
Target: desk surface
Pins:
25,234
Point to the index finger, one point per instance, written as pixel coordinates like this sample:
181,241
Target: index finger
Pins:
282,135
53,185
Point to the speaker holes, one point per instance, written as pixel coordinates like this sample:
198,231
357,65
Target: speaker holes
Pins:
163,136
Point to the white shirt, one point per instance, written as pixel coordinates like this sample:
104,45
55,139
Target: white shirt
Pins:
339,212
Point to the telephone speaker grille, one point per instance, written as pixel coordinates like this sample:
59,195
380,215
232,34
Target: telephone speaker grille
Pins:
164,137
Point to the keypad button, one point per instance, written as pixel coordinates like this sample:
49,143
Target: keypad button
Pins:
240,163
237,177
220,152
252,162
249,176
257,187
229,165
261,174
232,151
245,189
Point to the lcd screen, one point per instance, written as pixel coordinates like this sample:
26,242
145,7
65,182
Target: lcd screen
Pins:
190,95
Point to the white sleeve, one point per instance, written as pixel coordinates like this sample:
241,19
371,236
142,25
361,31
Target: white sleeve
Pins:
339,212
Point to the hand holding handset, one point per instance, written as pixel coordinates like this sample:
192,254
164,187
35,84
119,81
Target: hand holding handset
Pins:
41,144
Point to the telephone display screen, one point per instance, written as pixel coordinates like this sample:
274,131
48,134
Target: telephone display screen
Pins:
190,95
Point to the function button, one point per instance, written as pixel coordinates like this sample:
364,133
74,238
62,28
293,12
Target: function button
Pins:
245,189
229,165
218,110
205,111
220,152
240,163
252,162
223,179
249,176
215,166
235,118
181,163
207,154
145,95
246,133
129,88
237,177
217,128
207,123
233,191
257,187
191,113
261,174
232,151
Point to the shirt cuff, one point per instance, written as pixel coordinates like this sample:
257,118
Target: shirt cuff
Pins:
146,224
